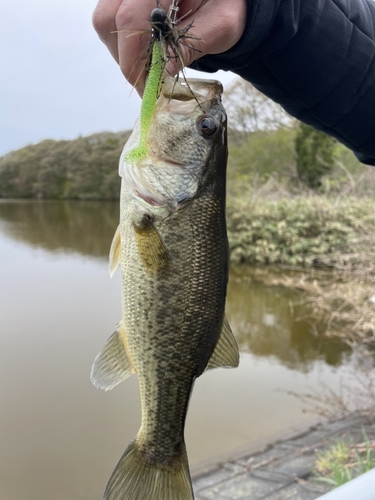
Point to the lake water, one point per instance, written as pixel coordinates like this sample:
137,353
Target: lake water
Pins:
61,438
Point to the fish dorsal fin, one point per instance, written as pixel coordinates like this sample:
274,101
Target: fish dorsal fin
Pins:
112,365
115,252
225,354
151,249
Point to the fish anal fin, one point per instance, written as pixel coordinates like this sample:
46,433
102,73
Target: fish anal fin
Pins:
115,252
151,249
139,477
112,365
225,354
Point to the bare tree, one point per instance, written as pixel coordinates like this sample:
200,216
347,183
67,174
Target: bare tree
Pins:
250,111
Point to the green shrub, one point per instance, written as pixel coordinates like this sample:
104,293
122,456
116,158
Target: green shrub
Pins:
301,231
262,153
314,150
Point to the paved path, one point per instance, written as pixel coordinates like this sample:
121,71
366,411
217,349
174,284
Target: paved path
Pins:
283,470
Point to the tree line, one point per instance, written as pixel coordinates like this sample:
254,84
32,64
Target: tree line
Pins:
84,168
263,140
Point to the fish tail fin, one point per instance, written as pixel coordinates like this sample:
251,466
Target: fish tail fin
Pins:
137,477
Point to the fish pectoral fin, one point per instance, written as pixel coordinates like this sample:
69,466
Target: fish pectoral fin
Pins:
225,354
115,252
112,365
151,249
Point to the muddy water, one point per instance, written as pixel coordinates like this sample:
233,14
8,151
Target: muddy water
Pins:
60,438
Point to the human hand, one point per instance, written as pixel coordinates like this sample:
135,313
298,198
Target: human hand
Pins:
217,26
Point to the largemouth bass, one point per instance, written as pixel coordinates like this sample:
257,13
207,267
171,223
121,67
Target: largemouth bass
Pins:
173,249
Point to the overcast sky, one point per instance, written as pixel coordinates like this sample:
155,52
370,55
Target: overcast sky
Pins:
57,79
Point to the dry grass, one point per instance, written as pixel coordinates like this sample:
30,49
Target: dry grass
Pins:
339,303
356,392
342,300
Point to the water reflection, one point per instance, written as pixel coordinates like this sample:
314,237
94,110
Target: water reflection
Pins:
85,227
265,325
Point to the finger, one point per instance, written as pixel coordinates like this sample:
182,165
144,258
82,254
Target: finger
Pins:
134,15
217,26
104,22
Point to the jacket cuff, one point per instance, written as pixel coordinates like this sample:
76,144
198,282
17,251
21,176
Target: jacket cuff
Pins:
365,159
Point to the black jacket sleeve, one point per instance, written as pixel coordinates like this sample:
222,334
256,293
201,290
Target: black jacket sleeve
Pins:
317,59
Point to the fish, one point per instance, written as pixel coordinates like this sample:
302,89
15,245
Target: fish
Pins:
172,248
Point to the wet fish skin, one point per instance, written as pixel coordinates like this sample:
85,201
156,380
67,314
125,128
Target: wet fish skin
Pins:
173,249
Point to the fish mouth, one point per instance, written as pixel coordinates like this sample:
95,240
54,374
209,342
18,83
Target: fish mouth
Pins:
191,89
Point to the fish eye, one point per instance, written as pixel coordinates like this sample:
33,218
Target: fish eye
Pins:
206,125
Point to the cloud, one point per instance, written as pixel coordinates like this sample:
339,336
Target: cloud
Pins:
58,80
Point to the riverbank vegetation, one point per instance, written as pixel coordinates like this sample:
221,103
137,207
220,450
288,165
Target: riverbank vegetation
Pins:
302,230
304,203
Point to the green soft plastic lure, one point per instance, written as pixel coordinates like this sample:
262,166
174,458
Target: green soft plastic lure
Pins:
150,96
